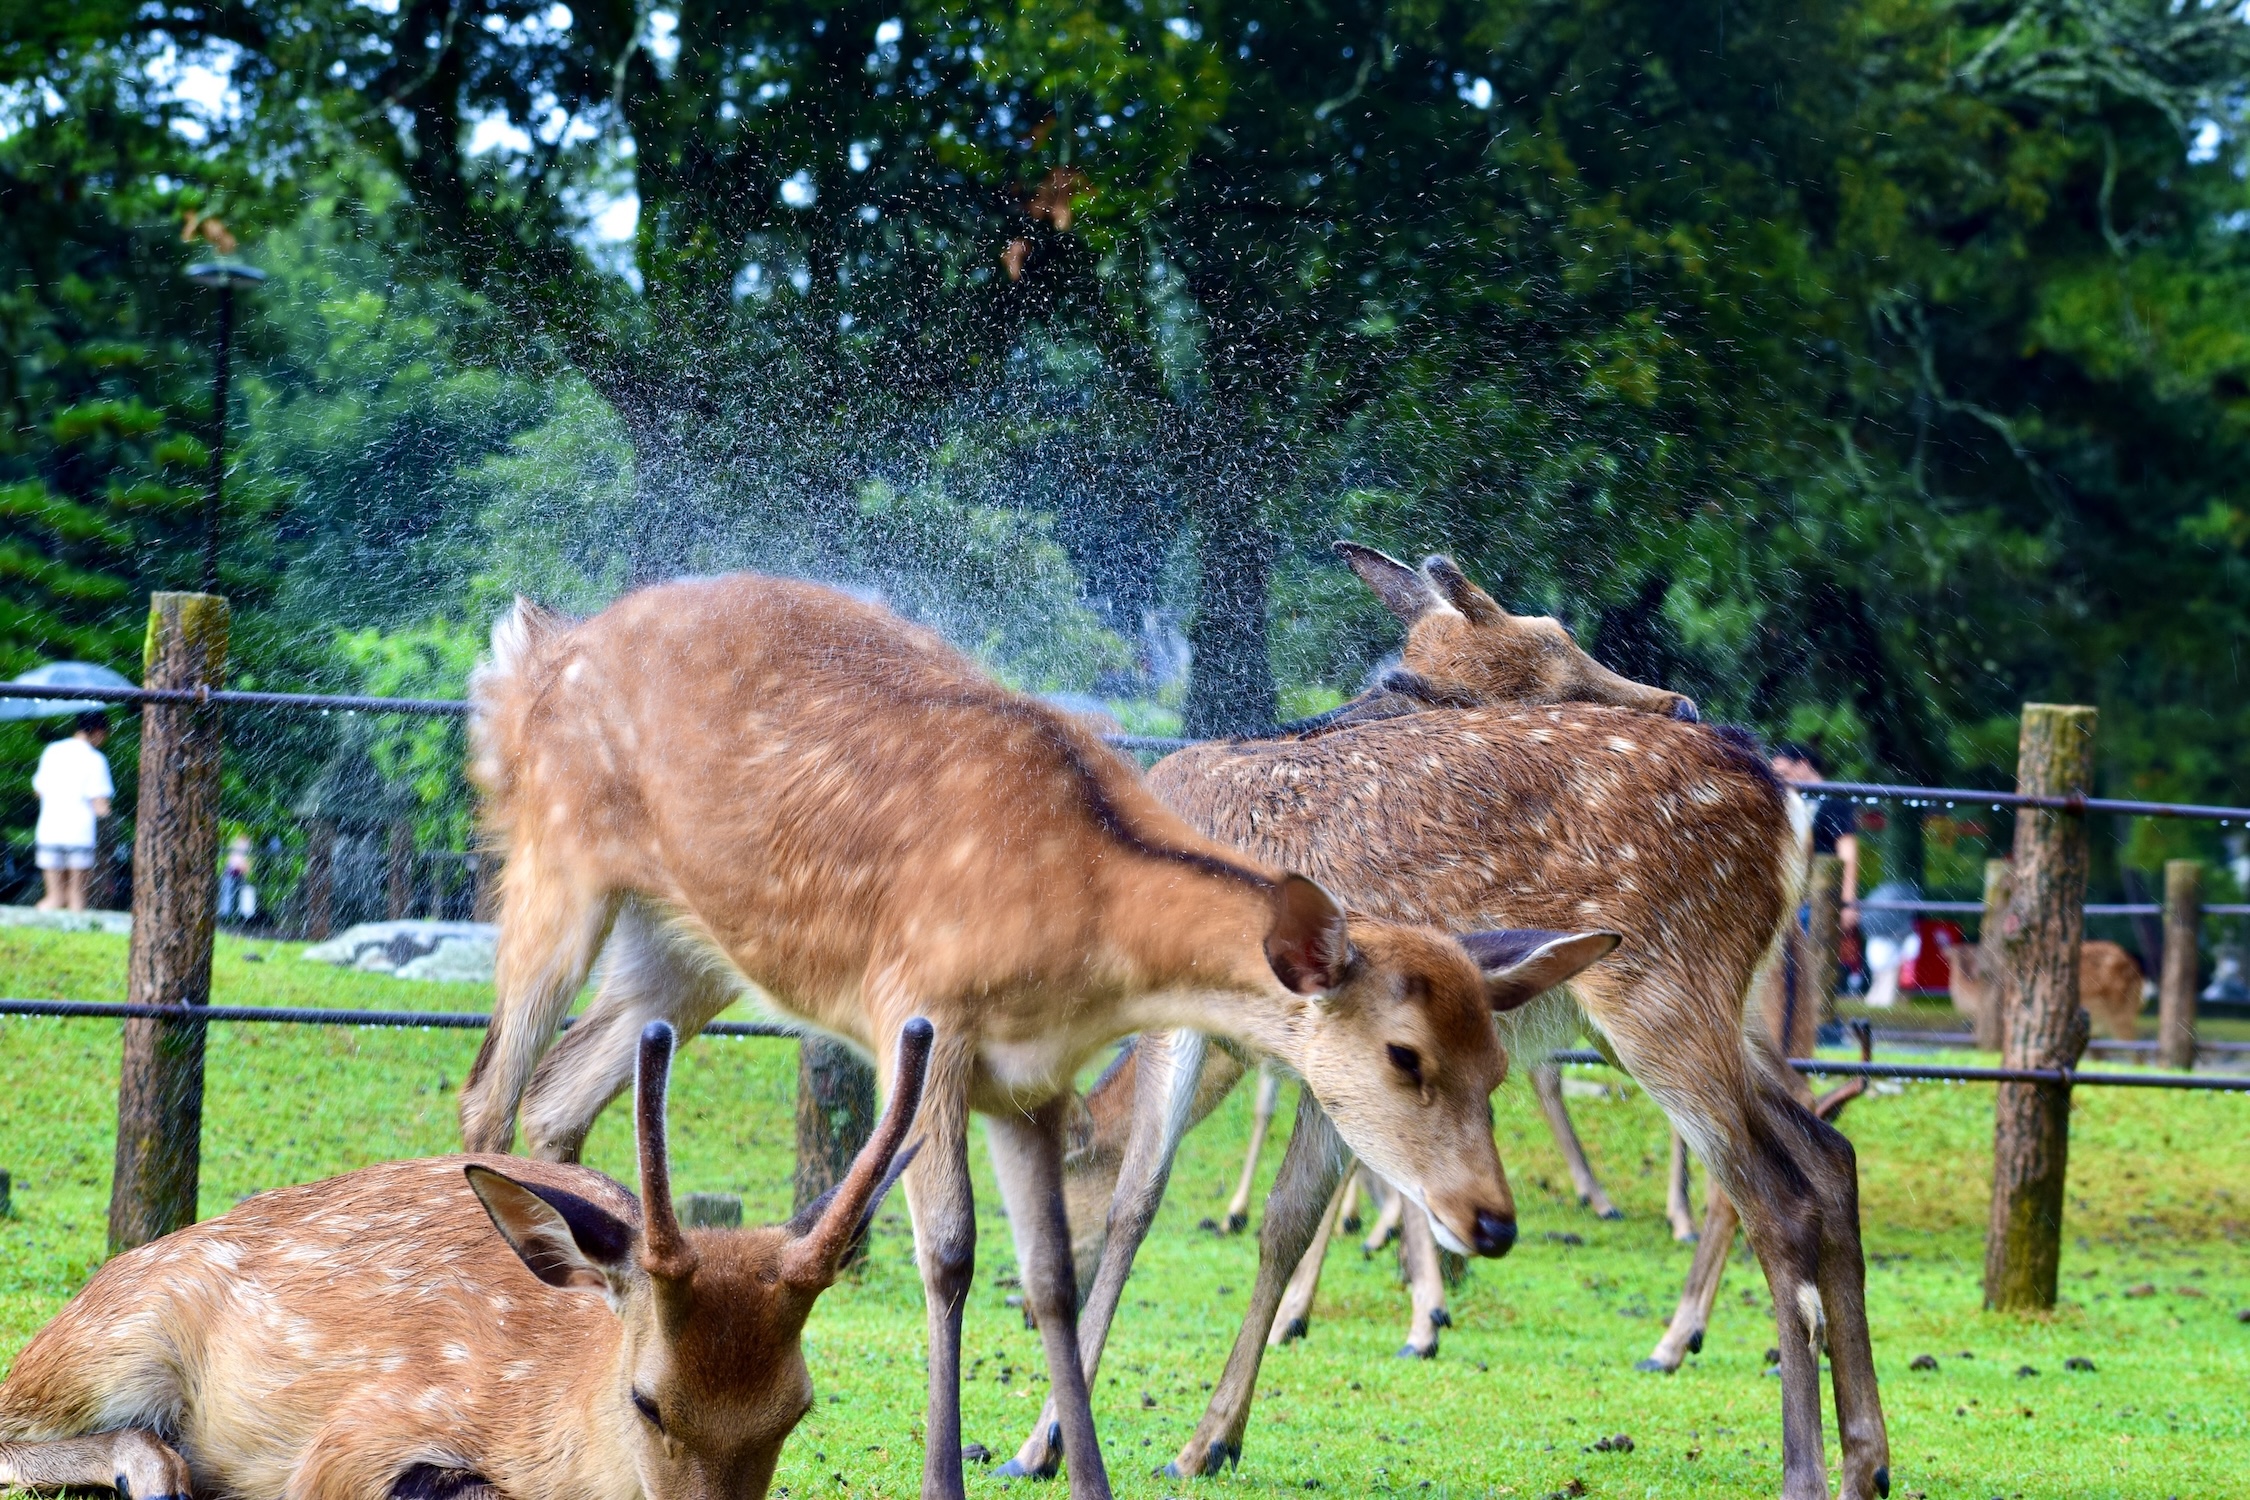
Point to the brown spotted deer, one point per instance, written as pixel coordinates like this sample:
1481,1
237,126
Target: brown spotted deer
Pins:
461,1328
746,781
2111,987
1559,818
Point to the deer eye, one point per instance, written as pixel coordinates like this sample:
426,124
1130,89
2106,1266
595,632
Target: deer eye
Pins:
648,1411
1407,1061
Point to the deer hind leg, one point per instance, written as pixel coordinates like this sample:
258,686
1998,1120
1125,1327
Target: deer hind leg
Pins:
1027,1150
1692,1318
942,1201
132,1461
1387,1219
1679,1205
1172,1082
550,931
1261,1119
1310,1170
1348,1220
648,973
1294,1319
1546,1082
1425,1282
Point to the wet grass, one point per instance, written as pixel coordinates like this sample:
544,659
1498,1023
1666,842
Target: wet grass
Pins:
2156,1265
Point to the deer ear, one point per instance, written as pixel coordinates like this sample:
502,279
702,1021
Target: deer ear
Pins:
1522,964
1453,585
1309,947
564,1240
1404,592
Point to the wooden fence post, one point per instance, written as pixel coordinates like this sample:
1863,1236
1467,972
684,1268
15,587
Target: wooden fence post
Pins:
1992,955
2175,991
835,1116
2041,934
175,904
1824,926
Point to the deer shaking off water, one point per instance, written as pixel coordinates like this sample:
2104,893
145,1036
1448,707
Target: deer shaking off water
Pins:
462,1328
748,781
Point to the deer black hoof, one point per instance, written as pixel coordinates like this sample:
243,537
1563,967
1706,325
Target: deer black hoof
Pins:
1611,1212
1695,1342
1440,1318
1883,1482
1293,1330
1653,1366
1236,1223
1351,1223
1410,1352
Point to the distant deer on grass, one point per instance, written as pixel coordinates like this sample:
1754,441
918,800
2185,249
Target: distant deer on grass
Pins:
749,781
1556,818
461,1328
2111,987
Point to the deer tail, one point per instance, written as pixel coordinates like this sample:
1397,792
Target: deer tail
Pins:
502,691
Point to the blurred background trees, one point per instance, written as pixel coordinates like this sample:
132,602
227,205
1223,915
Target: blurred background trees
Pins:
1862,367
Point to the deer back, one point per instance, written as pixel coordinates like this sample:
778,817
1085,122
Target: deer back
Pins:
1561,818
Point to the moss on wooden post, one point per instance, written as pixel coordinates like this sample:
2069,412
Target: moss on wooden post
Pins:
2175,990
175,904
2045,1028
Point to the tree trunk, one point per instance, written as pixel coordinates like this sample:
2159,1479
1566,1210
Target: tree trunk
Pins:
175,906
2175,991
316,898
1230,686
1992,955
398,897
835,1116
2041,934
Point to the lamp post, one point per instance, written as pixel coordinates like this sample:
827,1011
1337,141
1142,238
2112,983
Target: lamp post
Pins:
224,276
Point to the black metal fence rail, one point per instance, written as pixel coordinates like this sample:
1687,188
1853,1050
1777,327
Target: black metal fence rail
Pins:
455,1020
1871,790
2222,1083
2092,908
432,1020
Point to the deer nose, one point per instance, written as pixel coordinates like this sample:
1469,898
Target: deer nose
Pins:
1684,711
1495,1236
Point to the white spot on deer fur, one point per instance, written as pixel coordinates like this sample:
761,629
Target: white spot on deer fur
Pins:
1816,1322
457,1353
575,670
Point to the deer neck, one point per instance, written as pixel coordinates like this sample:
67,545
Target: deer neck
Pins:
1194,940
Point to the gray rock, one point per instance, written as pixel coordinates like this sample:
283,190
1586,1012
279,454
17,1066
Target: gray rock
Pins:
67,921
413,949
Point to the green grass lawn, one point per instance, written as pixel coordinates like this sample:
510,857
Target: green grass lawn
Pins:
2156,1266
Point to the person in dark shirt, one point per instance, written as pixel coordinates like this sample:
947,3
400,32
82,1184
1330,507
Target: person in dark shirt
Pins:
1835,826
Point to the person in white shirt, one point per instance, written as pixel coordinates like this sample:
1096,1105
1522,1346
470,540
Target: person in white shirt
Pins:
74,790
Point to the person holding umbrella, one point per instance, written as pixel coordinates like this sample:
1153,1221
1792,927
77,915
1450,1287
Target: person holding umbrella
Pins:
74,791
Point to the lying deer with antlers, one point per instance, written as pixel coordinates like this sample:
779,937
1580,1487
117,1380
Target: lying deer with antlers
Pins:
747,781
461,1328
1380,808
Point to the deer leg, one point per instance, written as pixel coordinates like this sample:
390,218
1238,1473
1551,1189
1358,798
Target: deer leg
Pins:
942,1201
1679,1206
1860,1432
646,975
1693,1316
134,1462
1295,1316
1546,1082
549,934
1028,1150
1348,1220
1310,1170
1261,1117
1425,1282
1169,1086
1386,1220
